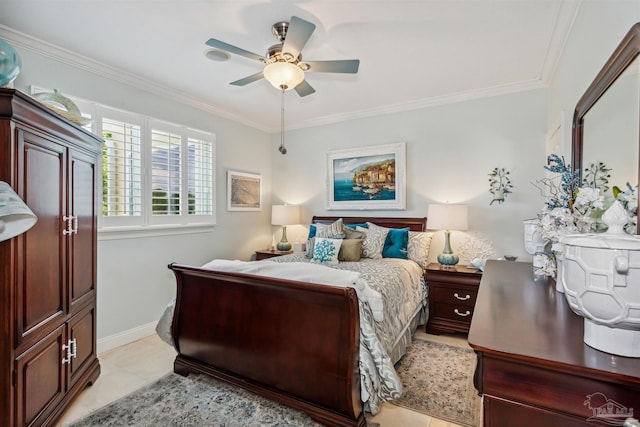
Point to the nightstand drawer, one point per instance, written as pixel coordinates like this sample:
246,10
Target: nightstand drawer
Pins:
451,295
455,312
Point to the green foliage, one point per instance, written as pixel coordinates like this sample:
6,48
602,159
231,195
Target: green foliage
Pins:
105,175
597,176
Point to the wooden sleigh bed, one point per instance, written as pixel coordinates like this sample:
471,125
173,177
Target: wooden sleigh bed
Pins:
292,342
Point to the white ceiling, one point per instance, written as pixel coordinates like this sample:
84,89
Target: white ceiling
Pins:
412,53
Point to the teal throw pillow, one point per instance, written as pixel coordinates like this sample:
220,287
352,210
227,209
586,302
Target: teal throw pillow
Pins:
312,231
395,245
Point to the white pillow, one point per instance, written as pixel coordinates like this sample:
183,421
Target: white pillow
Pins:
373,241
418,247
325,251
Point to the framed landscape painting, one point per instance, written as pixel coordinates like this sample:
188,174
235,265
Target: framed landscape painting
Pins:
244,191
367,178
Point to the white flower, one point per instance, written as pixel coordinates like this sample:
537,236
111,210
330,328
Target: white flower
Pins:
589,197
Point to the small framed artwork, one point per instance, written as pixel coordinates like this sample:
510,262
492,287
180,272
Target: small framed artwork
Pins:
244,191
367,178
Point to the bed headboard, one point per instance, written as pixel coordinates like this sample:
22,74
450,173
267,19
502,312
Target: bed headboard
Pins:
414,224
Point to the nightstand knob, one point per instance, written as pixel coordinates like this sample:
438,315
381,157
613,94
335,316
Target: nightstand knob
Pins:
462,298
461,314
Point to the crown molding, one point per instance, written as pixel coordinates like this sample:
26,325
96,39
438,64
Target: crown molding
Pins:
424,103
567,13
73,59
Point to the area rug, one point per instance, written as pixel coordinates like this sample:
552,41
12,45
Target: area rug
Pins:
437,380
194,401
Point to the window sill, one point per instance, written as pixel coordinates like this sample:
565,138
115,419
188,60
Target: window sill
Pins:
137,232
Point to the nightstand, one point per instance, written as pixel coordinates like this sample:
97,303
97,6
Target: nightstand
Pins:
452,297
268,253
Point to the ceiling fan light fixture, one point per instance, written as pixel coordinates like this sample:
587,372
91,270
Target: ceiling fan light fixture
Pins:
283,75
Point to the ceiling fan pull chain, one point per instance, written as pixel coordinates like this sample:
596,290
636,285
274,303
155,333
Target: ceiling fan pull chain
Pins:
282,149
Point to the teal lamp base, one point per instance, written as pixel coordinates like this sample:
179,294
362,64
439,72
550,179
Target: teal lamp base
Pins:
447,258
283,244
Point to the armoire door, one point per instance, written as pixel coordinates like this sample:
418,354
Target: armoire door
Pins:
40,379
83,218
41,276
81,330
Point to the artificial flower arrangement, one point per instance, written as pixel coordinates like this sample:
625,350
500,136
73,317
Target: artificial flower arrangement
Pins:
575,206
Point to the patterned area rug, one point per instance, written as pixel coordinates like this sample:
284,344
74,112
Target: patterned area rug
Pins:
437,379
194,401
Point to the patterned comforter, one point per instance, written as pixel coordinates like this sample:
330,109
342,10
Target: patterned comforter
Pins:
401,283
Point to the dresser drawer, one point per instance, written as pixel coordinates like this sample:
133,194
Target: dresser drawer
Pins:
447,294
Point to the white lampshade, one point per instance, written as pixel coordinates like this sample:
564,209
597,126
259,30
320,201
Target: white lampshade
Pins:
285,74
15,215
285,214
448,217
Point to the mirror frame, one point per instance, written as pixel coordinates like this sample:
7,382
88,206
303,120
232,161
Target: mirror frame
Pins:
622,57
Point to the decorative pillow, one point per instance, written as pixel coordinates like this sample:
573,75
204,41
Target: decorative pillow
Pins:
350,250
312,231
418,247
374,240
395,245
354,226
326,251
308,251
331,231
353,234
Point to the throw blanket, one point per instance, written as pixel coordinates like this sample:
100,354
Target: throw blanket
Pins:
306,272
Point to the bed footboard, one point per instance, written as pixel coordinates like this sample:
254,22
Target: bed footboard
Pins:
293,342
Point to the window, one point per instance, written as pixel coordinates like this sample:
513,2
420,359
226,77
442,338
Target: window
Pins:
153,173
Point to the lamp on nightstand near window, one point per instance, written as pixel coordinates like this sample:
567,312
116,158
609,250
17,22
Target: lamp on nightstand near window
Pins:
15,215
285,215
448,217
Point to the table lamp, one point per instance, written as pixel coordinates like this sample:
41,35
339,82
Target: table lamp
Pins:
15,215
447,217
285,215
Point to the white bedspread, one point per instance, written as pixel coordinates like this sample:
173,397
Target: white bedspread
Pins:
306,272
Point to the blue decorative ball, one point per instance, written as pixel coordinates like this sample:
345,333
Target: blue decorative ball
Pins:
10,63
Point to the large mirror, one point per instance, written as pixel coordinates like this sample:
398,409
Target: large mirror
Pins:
606,121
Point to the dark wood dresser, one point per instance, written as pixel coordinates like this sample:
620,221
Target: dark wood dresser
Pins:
452,297
48,274
533,366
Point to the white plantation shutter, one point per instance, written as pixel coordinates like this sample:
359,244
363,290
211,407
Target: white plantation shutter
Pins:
122,169
200,171
166,173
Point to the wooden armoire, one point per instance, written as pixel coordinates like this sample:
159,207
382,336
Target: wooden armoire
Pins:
48,274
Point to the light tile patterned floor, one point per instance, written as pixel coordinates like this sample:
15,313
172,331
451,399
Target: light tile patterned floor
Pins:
127,368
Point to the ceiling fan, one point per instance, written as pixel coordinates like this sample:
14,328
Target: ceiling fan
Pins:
285,68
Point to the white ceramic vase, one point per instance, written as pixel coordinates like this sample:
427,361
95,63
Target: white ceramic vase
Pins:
601,274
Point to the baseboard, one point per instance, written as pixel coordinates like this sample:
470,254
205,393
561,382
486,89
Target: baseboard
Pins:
126,337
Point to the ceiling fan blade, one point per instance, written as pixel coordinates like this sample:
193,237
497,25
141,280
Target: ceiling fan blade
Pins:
233,49
297,35
249,79
304,89
345,66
